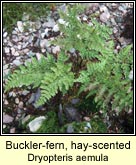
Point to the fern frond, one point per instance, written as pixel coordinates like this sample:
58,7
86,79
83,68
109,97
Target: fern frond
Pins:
108,80
90,41
31,74
59,79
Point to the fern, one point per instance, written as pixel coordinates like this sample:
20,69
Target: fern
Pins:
88,40
104,74
108,80
31,74
47,74
59,79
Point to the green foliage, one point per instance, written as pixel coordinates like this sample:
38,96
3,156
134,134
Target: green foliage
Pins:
47,74
50,125
103,76
88,40
98,126
30,74
60,78
108,80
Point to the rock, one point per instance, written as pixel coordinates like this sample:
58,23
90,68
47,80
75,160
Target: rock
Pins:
25,119
119,20
14,32
85,18
44,43
88,125
43,50
12,94
50,23
72,50
46,32
17,62
16,29
115,51
55,15
34,97
19,47
5,40
13,51
37,42
63,8
20,26
113,21
103,8
35,124
6,73
70,129
25,17
72,114
30,39
61,21
19,111
114,5
31,54
17,100
75,101
5,34
48,49
25,44
105,16
4,96
90,24
4,126
87,118
121,39
25,51
130,111
13,130
43,35
122,27
38,56
10,44
118,47
37,25
25,92
7,49
60,115
15,38
6,102
16,54
28,61
115,30
121,8
5,66
37,96
56,49
131,75
7,118
21,104
55,28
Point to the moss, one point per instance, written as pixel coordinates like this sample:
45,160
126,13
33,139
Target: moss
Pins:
98,126
50,125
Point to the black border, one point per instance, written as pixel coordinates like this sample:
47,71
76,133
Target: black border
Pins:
52,134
